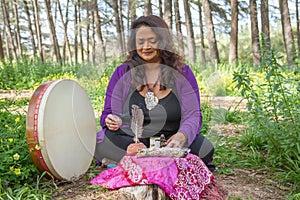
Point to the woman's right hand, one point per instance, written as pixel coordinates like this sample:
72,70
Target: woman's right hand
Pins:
113,122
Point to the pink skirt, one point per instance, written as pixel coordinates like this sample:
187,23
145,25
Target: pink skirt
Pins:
180,178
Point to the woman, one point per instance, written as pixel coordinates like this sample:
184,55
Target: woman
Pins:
155,79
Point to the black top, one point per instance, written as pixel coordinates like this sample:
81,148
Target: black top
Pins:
164,118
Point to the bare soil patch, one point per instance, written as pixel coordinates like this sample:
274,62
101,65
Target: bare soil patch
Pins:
15,94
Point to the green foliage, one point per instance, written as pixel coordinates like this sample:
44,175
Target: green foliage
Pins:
206,117
16,166
38,190
215,80
226,116
96,84
28,73
274,117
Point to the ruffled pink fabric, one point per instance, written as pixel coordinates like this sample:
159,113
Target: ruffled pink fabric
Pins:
180,178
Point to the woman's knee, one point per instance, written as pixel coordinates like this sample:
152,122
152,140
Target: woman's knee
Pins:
202,147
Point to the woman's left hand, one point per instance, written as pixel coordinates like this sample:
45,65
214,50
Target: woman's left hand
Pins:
177,140
113,122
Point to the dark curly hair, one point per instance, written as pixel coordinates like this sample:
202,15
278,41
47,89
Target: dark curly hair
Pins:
170,59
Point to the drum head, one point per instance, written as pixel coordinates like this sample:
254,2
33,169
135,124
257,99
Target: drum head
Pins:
61,129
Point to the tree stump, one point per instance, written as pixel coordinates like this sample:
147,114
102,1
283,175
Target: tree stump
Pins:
146,192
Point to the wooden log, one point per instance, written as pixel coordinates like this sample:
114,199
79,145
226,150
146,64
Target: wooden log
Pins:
146,192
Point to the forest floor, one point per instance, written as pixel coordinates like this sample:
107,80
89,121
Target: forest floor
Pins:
240,184
243,184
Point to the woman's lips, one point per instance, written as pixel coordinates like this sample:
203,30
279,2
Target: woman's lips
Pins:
147,52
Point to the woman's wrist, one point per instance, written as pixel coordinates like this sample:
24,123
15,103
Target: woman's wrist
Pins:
184,135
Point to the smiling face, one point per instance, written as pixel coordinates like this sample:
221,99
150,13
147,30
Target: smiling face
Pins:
147,44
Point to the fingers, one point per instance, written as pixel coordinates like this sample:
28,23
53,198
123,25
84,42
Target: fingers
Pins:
174,144
176,141
113,122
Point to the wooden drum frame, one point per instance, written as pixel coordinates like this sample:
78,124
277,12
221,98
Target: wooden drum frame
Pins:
61,129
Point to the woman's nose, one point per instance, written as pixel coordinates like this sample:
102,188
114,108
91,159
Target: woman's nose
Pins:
146,45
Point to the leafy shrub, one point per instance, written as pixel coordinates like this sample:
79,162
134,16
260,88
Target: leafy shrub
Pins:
206,117
26,73
16,165
274,112
215,80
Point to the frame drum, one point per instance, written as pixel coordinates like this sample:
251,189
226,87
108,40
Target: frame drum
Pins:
61,129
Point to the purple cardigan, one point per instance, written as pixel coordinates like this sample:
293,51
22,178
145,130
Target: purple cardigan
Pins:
187,94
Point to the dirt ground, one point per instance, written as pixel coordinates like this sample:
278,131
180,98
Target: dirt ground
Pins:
241,184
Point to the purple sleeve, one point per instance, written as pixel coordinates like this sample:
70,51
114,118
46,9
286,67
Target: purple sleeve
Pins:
116,93
191,117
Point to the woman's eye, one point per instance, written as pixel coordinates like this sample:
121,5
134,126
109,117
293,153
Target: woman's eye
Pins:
153,41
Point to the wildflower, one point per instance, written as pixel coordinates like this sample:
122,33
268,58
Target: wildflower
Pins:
222,143
6,126
16,156
37,147
17,171
10,140
17,119
11,168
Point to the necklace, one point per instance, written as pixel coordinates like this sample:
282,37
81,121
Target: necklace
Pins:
150,99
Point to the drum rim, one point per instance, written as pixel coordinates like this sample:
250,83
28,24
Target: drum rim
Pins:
39,161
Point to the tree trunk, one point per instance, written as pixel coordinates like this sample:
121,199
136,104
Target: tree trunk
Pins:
30,27
132,12
145,192
147,7
168,13
160,8
17,31
1,48
88,31
287,31
65,26
202,48
190,33
8,54
10,43
99,33
122,26
178,28
298,27
80,32
212,42
233,47
118,26
55,12
93,39
76,31
53,32
254,33
265,24
38,28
